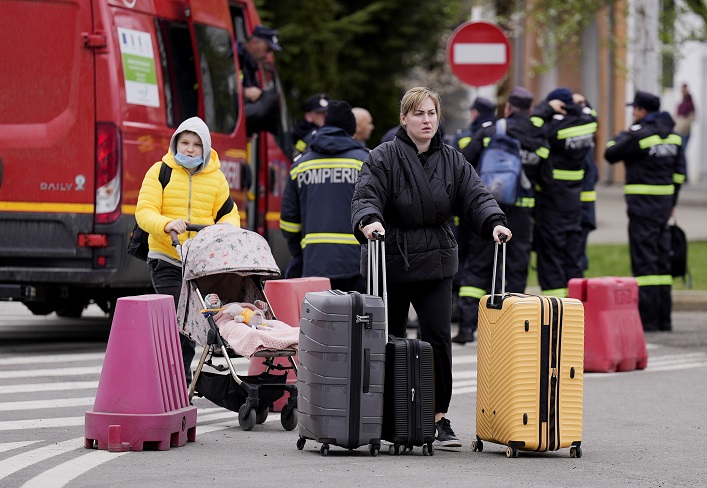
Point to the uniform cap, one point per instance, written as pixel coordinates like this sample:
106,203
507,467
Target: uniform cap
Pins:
483,106
562,94
645,100
340,115
520,98
316,103
268,35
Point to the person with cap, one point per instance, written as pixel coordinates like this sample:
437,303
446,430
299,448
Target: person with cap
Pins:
655,170
364,125
477,271
408,190
196,193
557,239
482,110
251,54
316,203
314,110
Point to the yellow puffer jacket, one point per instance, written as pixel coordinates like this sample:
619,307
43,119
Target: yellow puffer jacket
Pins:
196,198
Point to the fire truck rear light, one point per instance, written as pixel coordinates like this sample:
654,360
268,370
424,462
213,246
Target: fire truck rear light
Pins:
101,261
93,240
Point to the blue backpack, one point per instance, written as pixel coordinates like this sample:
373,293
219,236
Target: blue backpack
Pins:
501,166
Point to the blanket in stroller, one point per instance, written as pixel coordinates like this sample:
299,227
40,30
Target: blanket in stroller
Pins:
248,337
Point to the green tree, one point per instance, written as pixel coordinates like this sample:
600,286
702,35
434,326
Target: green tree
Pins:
357,50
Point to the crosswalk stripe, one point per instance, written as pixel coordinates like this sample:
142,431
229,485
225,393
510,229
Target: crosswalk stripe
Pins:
39,404
53,358
9,446
65,386
31,373
20,461
67,471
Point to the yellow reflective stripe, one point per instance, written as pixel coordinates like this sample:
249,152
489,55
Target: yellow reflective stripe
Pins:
486,141
457,220
537,121
588,196
580,130
610,143
290,226
654,280
328,163
525,202
557,292
471,291
543,152
300,145
568,175
656,140
678,179
463,142
649,189
328,238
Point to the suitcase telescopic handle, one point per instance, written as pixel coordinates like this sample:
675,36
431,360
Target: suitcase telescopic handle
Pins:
376,266
502,238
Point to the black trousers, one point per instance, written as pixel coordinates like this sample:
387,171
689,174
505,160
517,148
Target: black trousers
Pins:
559,254
477,269
167,280
649,243
432,301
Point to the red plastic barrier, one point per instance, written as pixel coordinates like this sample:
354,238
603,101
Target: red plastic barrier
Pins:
142,393
613,333
285,297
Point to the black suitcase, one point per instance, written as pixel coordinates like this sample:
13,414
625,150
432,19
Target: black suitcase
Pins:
408,399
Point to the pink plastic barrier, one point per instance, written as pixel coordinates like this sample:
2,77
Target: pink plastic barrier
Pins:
613,333
285,297
142,398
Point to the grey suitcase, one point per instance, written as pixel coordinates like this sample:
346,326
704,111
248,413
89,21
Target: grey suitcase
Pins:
341,370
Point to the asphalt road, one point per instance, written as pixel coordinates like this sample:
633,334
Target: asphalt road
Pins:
644,428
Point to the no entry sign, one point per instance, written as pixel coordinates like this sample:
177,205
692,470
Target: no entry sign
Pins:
479,53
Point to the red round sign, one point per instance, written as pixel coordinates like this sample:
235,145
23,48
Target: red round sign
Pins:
479,53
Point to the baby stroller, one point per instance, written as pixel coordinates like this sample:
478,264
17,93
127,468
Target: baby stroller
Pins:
231,262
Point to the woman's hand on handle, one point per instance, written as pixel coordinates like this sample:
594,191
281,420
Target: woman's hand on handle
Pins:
369,229
178,225
502,234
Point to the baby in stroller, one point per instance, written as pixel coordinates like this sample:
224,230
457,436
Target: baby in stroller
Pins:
244,328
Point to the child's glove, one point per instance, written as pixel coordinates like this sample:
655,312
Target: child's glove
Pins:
212,301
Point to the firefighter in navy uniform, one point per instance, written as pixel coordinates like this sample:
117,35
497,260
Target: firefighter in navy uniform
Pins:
655,170
557,238
482,110
314,110
316,204
477,268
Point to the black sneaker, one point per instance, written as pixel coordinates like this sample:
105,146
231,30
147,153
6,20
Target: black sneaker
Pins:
445,435
463,337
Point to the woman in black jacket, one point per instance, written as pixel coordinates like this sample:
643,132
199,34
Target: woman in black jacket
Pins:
408,189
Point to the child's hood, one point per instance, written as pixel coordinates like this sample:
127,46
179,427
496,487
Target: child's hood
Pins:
196,125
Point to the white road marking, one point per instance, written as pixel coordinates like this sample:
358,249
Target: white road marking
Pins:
64,386
38,404
53,358
9,446
31,373
67,471
21,461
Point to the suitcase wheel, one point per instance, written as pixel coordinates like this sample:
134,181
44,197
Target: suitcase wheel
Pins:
373,448
301,442
477,445
394,449
511,452
324,449
575,452
428,449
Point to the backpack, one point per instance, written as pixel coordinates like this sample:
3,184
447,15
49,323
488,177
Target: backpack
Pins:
501,166
137,246
678,255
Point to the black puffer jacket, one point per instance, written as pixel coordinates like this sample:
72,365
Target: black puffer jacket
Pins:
414,196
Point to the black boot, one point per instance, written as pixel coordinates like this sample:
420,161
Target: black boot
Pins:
463,336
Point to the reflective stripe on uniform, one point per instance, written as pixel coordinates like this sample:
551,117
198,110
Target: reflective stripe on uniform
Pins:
656,140
568,175
486,141
678,179
471,291
654,280
537,121
300,145
610,143
543,152
328,238
557,292
580,130
290,226
463,142
328,163
525,202
588,196
649,189
457,220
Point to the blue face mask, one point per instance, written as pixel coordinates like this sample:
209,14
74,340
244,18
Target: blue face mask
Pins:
188,161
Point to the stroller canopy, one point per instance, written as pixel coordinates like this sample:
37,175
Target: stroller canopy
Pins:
224,248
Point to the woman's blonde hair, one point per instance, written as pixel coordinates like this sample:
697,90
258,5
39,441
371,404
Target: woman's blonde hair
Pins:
415,96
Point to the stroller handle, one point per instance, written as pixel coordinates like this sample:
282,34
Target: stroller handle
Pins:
190,228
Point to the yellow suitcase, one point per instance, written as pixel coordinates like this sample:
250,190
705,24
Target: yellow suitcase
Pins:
530,373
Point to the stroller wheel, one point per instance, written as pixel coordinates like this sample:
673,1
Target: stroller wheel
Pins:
288,417
246,417
261,417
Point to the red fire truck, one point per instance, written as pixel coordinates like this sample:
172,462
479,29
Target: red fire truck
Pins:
90,95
